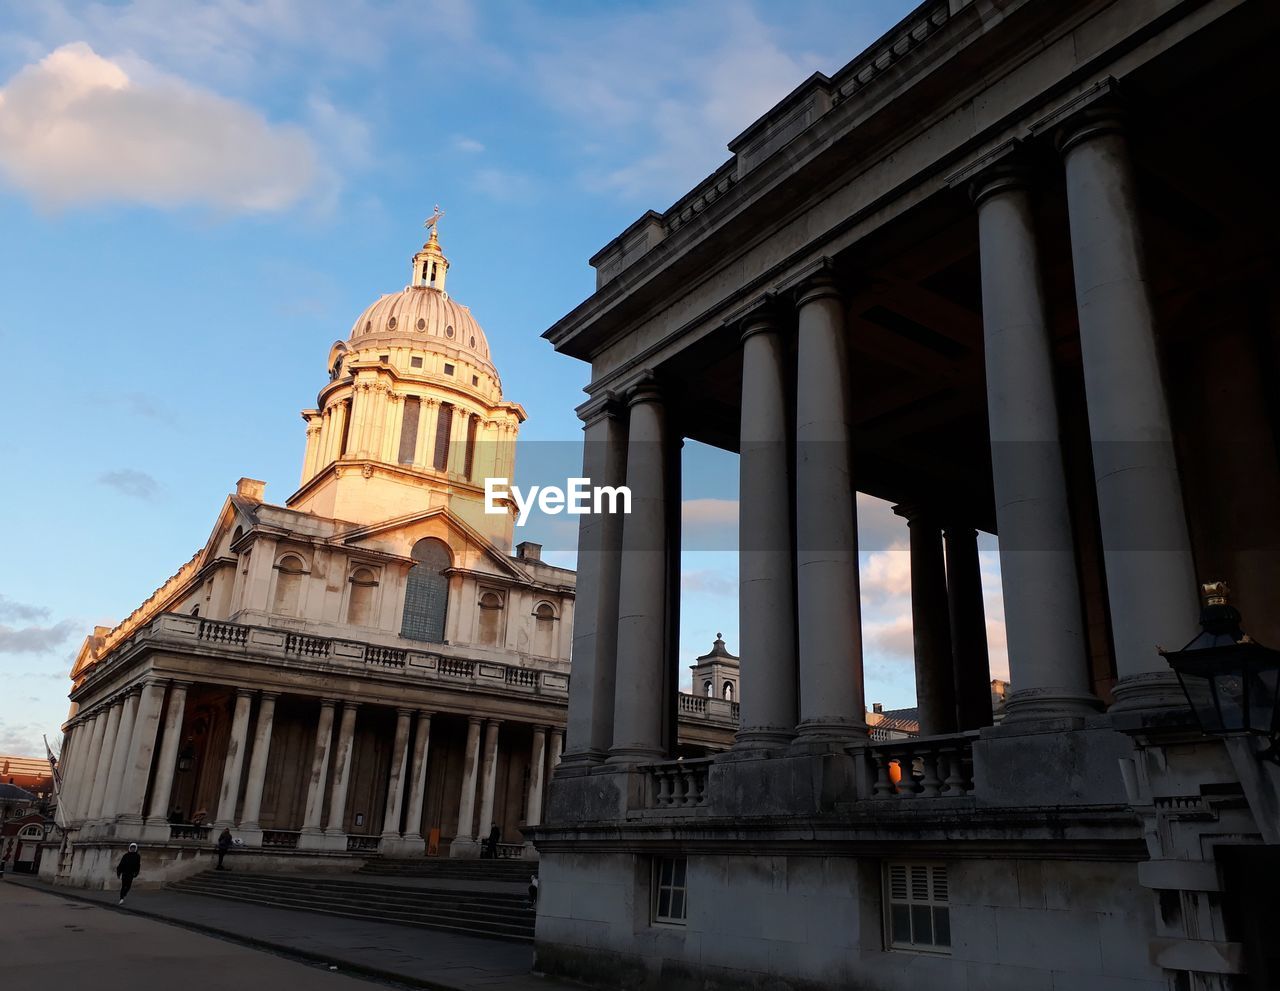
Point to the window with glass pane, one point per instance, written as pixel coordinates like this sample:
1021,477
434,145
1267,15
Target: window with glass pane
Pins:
670,896
918,914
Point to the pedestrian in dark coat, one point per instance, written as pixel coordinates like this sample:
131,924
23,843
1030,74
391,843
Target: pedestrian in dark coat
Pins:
224,845
130,866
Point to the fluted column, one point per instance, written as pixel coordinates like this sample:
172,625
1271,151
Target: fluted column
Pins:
87,761
399,764
258,756
335,825
142,747
120,755
418,778
642,596
1044,620
166,763
537,770
595,626
970,661
828,614
766,555
490,778
233,763
318,776
1151,581
930,624
106,751
464,841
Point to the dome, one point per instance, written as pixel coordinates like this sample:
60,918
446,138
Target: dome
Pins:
421,313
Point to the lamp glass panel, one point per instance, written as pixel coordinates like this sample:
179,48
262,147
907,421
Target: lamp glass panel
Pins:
1262,700
1229,687
1199,692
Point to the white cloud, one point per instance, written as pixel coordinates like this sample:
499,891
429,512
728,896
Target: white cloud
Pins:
131,482
34,639
466,144
79,128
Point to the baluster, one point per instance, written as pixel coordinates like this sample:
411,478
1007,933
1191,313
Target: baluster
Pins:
930,783
907,784
663,797
883,787
954,757
679,787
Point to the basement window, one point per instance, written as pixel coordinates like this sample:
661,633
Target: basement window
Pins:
917,909
670,892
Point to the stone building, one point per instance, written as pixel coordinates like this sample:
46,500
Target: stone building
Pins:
1012,268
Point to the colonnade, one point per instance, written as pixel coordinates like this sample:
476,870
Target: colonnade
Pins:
802,669
109,755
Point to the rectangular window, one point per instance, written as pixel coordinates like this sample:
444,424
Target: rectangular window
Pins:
346,427
475,379
444,428
448,368
415,362
384,358
470,459
917,913
670,892
409,430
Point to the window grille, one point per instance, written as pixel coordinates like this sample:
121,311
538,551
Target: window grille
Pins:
918,912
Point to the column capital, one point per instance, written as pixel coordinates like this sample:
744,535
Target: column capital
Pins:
328,703
1098,110
760,315
266,694
475,720
604,405
404,712
176,683
1005,168
816,282
425,714
918,513
246,693
348,704
645,389
493,722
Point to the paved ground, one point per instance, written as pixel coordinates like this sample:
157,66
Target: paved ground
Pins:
53,942
412,956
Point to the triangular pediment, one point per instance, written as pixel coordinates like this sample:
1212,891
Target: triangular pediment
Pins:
455,525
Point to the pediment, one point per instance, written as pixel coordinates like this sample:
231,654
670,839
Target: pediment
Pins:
471,549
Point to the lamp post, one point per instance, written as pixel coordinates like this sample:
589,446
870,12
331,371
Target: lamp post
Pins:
1231,681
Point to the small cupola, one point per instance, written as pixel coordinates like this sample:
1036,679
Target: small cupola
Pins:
430,265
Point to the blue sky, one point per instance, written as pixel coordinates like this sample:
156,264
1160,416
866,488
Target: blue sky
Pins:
198,198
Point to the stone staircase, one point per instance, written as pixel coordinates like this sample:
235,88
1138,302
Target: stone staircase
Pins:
476,913
504,871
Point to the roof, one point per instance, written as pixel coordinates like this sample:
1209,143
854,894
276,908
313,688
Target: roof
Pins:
12,793
423,316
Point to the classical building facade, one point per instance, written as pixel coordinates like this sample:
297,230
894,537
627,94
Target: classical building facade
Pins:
1013,269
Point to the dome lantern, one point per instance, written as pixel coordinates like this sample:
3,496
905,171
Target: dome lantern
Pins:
430,265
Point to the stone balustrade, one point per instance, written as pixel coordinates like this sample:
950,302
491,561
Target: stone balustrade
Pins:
677,785
187,832
280,839
925,767
363,844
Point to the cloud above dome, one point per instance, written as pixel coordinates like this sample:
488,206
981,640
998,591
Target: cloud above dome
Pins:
78,128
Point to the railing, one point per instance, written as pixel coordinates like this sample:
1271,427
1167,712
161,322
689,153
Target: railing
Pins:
735,711
362,844
693,703
926,767
677,784
522,677
299,643
214,632
510,851
456,668
280,839
390,657
186,831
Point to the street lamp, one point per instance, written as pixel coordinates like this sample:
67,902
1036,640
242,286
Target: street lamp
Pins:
1231,681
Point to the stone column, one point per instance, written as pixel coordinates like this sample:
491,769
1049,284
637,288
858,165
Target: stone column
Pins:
1044,621
970,661
537,766
233,763
335,832
557,747
595,626
490,777
418,782
766,556
642,595
338,423
829,613
930,624
464,840
312,835
1151,580
250,827
106,751
142,747
167,762
120,755
399,765
313,444
87,765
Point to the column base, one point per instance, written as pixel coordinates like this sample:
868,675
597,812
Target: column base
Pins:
582,758
1049,703
1150,690
825,732
636,755
464,847
391,845
758,740
314,839
155,831
250,834
127,827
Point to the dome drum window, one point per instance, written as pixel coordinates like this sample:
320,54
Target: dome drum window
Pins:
448,331
422,324
391,323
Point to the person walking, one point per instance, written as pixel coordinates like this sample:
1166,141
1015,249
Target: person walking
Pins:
224,845
130,866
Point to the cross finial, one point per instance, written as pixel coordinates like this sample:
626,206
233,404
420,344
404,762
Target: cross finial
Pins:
434,219
719,636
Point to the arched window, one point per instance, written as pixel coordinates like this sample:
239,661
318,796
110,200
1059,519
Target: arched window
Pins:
728,691
289,572
490,618
426,598
32,832
708,689
360,603
544,630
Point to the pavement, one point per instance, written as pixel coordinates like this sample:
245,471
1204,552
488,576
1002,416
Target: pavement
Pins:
405,956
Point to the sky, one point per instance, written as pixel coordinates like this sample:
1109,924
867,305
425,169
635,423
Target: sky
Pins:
198,198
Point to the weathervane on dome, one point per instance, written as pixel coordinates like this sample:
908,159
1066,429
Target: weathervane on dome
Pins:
434,219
